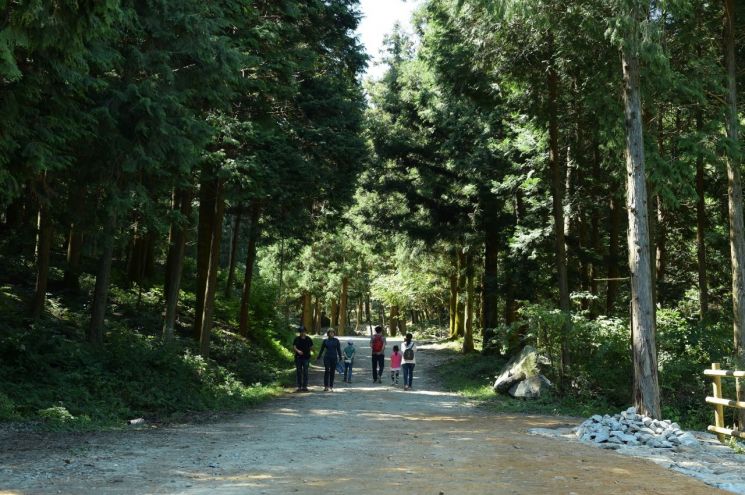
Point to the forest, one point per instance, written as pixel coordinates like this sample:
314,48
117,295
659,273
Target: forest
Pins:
182,183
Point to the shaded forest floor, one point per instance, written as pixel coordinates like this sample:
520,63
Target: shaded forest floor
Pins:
364,438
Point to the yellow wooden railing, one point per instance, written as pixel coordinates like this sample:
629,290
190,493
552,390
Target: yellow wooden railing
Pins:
720,402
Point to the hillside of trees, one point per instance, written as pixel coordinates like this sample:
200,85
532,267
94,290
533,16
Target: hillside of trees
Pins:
185,182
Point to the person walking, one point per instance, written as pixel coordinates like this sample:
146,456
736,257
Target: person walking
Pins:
349,351
302,346
377,344
396,357
409,360
332,347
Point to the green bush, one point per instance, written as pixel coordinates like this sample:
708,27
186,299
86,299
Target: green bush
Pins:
7,408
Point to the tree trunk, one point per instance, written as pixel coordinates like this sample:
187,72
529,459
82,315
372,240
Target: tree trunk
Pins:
367,308
180,202
393,321
334,314
703,284
614,255
71,278
343,303
453,303
148,267
317,320
103,279
253,238
661,265
646,395
307,311
205,229
213,268
233,252
359,315
490,285
558,182
43,248
137,257
734,196
470,300
401,322
460,313
595,220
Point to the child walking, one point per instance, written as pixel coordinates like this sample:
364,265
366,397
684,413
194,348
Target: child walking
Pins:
349,351
396,357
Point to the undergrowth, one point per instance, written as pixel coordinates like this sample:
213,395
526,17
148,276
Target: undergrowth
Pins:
51,377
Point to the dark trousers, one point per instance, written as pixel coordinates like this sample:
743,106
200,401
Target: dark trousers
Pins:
378,362
301,371
408,373
329,371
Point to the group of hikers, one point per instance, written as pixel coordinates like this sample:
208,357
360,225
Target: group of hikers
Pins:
336,358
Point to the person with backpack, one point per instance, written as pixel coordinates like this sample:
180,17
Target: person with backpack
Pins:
396,357
302,346
349,351
377,344
409,360
332,347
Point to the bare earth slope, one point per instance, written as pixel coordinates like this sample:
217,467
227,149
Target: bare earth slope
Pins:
363,438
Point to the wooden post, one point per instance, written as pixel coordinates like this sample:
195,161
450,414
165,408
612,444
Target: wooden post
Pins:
718,408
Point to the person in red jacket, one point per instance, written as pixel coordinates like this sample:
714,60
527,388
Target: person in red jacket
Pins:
377,344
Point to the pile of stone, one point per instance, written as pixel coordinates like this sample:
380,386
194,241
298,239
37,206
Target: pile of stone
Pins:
630,428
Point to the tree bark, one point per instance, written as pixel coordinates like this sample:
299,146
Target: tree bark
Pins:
646,395
307,311
490,285
453,303
253,238
334,313
71,278
213,267
205,229
343,303
470,300
734,197
103,279
181,203
359,315
43,248
595,221
460,313
317,316
233,251
367,308
393,321
558,183
614,253
703,284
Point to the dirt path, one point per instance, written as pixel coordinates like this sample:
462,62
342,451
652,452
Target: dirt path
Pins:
363,438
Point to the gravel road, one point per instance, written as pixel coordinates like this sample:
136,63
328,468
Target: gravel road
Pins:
363,438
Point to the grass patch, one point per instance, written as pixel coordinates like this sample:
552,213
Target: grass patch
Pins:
472,377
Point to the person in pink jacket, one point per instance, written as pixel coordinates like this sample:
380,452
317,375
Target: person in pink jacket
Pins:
396,357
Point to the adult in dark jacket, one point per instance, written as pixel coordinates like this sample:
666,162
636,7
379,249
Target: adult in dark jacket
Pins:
332,347
302,347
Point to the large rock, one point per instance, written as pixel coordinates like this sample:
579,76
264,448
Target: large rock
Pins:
517,369
530,388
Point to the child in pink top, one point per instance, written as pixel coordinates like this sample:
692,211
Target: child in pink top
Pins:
396,357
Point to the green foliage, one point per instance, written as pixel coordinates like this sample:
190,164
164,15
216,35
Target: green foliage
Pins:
473,376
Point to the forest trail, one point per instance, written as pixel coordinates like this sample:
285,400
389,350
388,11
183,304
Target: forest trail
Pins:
364,438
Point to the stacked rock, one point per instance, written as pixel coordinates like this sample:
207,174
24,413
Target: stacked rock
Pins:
630,428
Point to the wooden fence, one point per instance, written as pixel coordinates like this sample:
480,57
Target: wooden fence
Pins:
720,402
